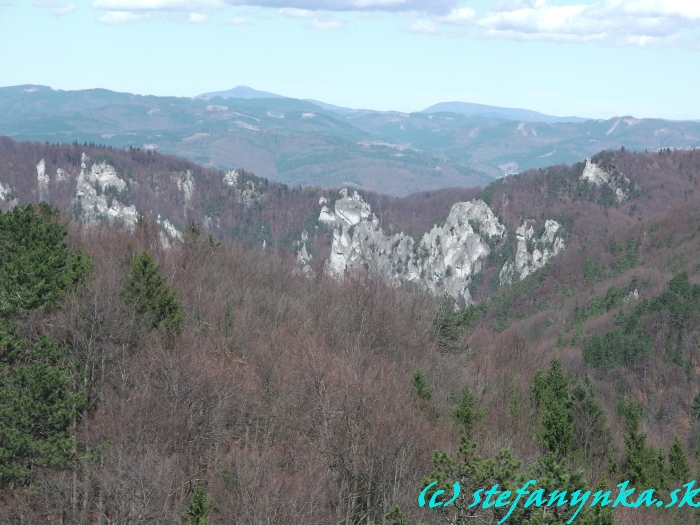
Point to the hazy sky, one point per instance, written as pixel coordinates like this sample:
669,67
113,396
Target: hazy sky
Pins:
584,58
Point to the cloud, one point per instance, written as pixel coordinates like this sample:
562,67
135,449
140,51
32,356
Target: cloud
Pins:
293,12
56,8
423,27
315,22
440,7
198,18
124,11
238,21
457,17
121,17
325,24
641,23
157,5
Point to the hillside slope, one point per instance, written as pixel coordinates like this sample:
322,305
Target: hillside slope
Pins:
294,398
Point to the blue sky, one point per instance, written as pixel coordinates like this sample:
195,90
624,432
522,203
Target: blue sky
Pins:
584,58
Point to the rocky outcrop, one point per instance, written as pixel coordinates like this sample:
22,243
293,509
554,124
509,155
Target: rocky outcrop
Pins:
104,176
168,232
5,192
443,261
231,178
185,183
97,195
62,175
42,180
533,250
598,176
247,194
304,258
632,296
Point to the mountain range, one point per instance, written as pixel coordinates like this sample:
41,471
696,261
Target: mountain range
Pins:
302,142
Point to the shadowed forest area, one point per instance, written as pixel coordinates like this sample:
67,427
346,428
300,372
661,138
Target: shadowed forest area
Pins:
210,382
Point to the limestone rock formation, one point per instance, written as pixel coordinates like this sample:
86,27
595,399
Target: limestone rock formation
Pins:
105,176
304,258
231,178
5,192
168,233
247,194
96,196
533,250
443,261
43,179
185,183
62,175
617,181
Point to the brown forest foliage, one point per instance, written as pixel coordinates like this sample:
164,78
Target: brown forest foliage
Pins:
290,398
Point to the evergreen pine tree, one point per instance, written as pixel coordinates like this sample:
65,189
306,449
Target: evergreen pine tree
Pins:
38,402
35,266
145,290
466,413
198,509
645,466
679,470
420,383
39,392
551,394
695,407
557,429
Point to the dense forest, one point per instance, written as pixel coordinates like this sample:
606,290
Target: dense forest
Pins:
209,382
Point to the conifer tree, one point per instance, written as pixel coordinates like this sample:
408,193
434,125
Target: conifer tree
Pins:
38,401
678,470
145,290
466,413
35,265
695,407
39,391
198,509
646,467
420,383
551,394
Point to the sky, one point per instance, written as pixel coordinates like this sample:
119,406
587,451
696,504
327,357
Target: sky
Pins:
560,57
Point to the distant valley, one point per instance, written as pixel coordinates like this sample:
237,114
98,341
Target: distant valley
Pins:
311,143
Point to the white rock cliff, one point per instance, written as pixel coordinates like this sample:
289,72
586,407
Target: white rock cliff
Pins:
533,251
90,205
617,182
445,259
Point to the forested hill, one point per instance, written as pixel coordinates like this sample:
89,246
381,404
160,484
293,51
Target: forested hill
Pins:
154,377
548,209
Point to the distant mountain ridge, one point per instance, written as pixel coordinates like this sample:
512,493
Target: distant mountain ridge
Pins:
524,115
248,93
240,92
462,108
310,143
